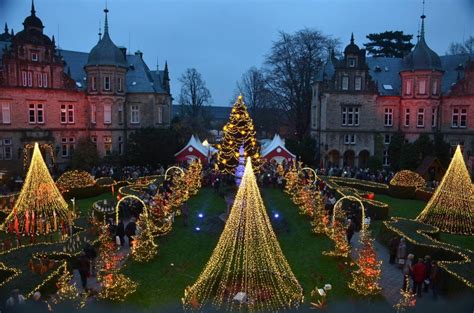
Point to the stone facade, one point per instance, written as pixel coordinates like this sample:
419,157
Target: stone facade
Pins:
391,95
56,97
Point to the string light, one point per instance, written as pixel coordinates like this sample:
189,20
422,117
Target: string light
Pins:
74,180
451,208
40,207
239,131
406,178
407,299
144,247
66,290
337,233
247,263
365,280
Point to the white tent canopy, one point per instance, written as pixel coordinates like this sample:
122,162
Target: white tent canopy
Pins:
275,143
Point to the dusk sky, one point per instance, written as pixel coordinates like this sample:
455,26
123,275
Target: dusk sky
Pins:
223,38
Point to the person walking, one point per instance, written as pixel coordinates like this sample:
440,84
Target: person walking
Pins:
131,231
91,254
15,301
418,276
435,279
407,270
393,248
350,231
84,267
401,253
426,282
120,232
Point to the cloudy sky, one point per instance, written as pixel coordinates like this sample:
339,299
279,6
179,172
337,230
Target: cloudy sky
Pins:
223,38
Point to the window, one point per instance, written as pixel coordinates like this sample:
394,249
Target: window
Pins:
108,145
39,79
349,139
93,83
408,85
120,84
160,115
420,118
67,146
388,117
45,80
107,113
345,82
350,116
120,114
24,78
134,114
36,113
120,145
434,88
387,138
67,113
358,83
6,114
93,113
352,62
6,150
434,117
107,83
30,79
407,117
34,56
422,87
463,121
386,161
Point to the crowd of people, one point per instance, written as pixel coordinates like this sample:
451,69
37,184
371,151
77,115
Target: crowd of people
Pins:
421,274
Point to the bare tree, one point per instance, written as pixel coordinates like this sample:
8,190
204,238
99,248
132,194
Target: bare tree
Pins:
194,93
291,68
252,86
466,47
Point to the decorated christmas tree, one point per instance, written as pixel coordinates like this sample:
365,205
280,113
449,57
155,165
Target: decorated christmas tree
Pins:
407,298
247,269
179,193
338,234
40,208
239,131
365,280
114,285
291,179
320,217
451,208
67,291
144,247
193,177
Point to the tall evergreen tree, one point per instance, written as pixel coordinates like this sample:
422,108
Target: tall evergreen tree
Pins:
390,44
239,131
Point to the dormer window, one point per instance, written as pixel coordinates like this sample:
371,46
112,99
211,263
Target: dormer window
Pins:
408,85
422,87
434,88
352,62
120,84
34,56
93,83
107,83
358,83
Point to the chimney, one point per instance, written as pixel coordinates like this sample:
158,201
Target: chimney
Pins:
124,51
139,53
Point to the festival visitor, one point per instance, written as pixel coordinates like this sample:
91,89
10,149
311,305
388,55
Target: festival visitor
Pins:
401,252
91,254
121,232
15,301
350,231
426,282
131,231
407,269
435,279
84,267
418,276
393,248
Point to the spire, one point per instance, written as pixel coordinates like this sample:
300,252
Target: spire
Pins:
106,25
33,11
12,32
54,41
423,16
352,38
6,28
100,32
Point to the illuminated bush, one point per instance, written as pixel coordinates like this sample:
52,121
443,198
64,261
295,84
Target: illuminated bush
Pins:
74,180
405,183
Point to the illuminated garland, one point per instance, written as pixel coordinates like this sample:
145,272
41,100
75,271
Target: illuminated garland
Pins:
247,263
337,233
74,180
365,280
406,178
40,207
67,291
451,208
239,131
43,146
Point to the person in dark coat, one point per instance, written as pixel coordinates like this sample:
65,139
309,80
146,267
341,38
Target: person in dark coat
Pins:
84,267
435,279
393,248
350,231
131,231
426,282
418,276
121,232
91,254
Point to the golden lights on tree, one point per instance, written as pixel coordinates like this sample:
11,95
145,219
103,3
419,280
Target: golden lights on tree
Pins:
144,247
320,220
451,208
406,178
291,179
337,233
239,131
247,269
67,291
74,179
365,280
407,298
40,207
193,177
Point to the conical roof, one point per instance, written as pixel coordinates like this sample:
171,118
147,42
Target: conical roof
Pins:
105,52
451,208
422,57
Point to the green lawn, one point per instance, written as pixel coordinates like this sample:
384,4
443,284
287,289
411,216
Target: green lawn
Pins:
161,284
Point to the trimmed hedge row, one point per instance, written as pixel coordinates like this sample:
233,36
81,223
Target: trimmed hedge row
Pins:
457,263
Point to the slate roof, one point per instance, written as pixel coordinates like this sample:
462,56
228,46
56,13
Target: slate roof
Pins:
217,112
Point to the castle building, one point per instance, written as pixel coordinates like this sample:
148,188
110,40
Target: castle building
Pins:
56,97
359,102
